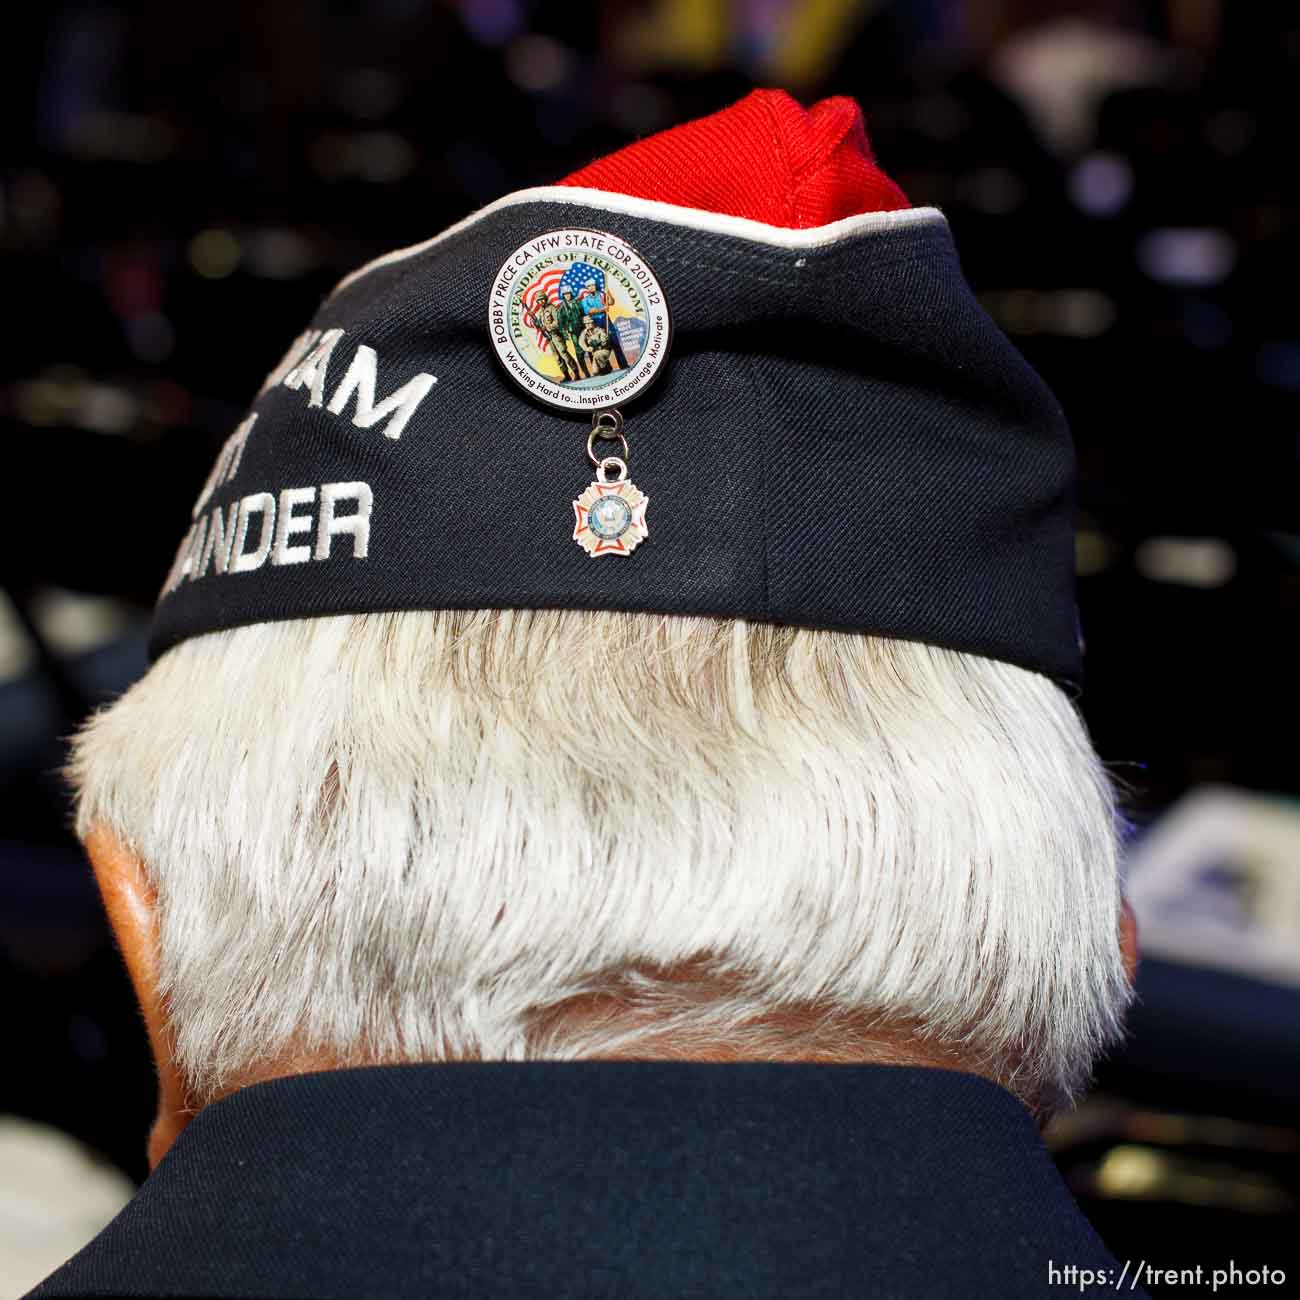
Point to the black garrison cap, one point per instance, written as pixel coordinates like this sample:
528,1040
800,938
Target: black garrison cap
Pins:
823,428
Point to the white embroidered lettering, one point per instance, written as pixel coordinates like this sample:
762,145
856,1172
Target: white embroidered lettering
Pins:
258,503
201,550
221,539
397,408
310,371
177,571
226,465
358,523
297,350
288,524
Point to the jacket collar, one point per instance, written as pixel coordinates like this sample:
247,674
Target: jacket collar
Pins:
629,1179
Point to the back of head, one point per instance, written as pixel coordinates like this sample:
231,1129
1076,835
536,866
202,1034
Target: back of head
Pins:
554,834
806,783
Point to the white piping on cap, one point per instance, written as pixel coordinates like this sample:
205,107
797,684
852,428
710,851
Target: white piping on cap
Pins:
715,223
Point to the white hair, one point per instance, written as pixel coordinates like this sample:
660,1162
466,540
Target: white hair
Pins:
426,835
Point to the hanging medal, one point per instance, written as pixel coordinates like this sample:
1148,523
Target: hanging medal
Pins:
579,320
611,512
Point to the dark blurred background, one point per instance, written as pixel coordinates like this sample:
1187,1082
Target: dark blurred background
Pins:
181,185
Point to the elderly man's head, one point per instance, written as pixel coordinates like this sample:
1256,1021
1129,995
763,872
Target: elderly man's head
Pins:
556,834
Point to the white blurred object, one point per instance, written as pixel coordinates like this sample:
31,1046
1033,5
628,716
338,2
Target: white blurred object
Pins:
1186,561
72,622
54,1197
1062,71
1101,184
1216,882
1188,257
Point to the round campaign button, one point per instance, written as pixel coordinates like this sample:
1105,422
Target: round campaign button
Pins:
578,319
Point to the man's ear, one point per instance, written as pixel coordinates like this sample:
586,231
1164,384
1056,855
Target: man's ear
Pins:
129,901
1128,941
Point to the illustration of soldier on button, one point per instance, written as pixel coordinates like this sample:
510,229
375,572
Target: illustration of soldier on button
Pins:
571,324
595,304
547,318
595,343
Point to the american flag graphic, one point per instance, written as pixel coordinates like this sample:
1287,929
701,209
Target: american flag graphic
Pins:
554,282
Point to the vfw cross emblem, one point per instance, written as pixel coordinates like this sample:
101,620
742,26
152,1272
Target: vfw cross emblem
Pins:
610,516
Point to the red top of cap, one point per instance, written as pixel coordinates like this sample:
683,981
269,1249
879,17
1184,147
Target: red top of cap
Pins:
765,158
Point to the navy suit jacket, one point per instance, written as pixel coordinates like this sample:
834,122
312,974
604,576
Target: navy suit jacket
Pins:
635,1180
